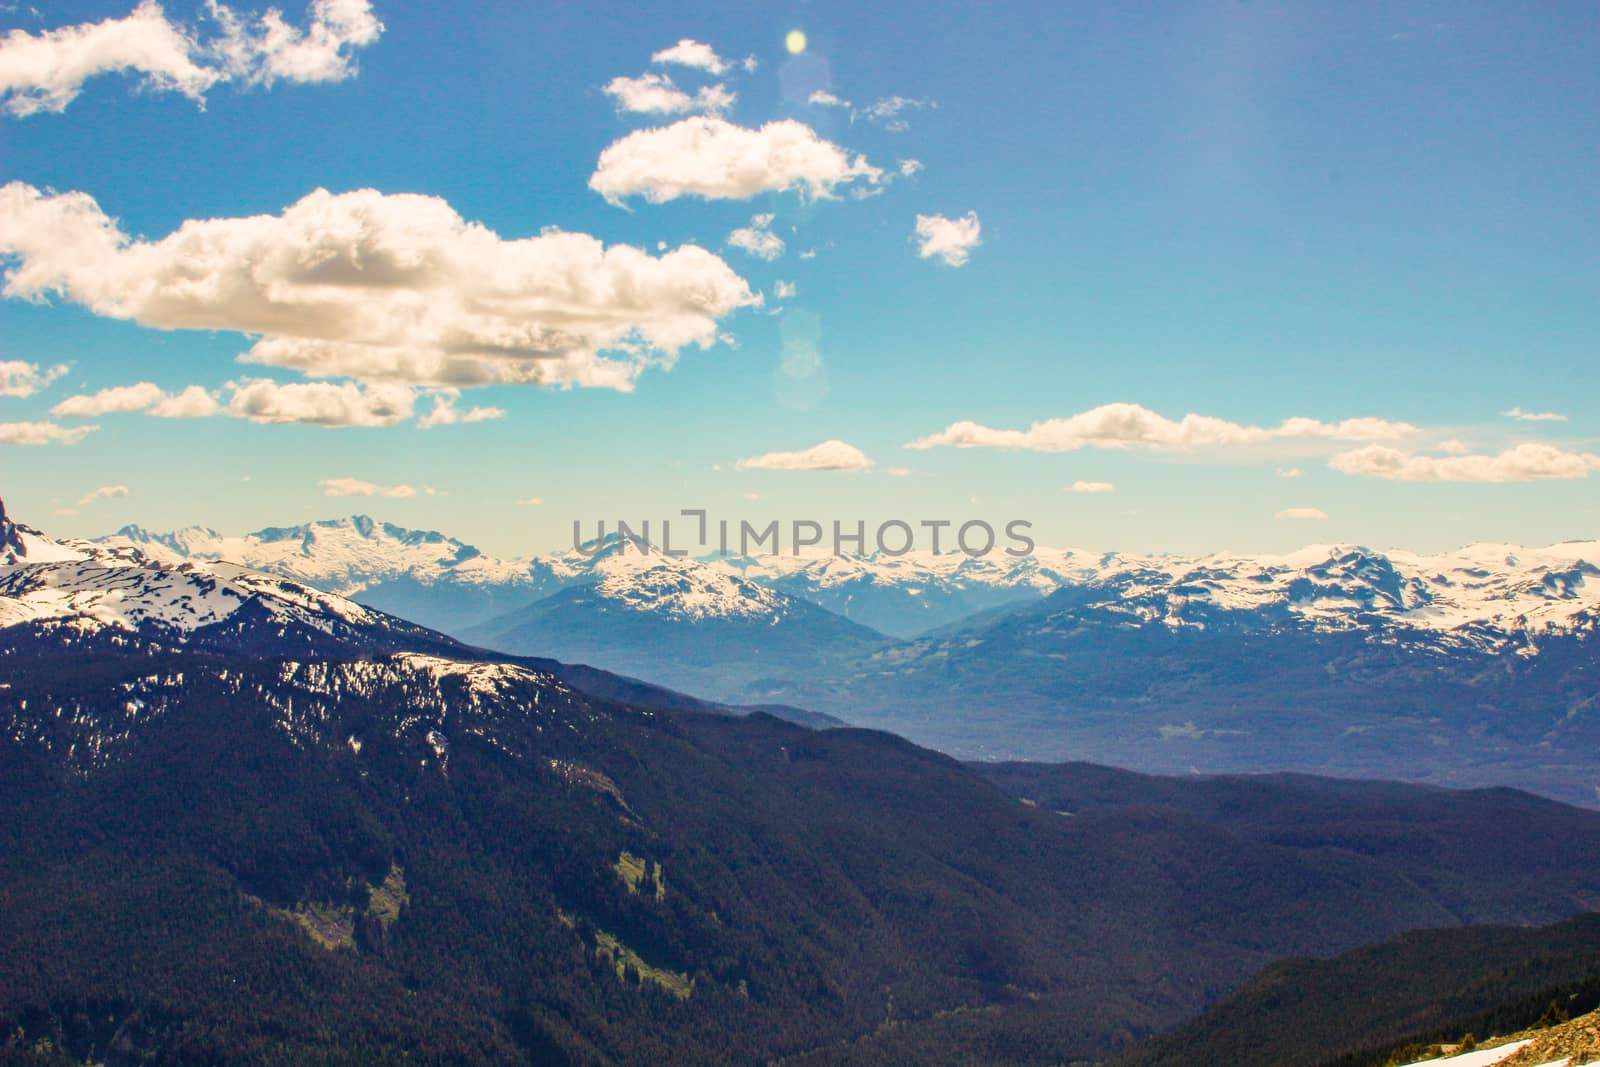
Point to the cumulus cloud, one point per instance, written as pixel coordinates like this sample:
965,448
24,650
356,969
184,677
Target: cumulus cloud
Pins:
758,238
1133,426
823,98
320,403
1090,487
357,487
380,288
1524,463
19,378
952,240
692,53
47,71
784,290
909,168
445,413
655,94
192,403
1303,514
105,492
42,433
828,456
714,159
108,401
1534,416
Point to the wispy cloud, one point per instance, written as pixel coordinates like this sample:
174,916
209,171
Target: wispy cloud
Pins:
758,238
1302,514
21,379
445,412
1133,426
1090,487
890,112
358,487
832,455
42,433
1524,463
1534,416
105,492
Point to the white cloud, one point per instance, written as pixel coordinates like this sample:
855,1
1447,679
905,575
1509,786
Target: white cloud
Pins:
42,433
910,167
357,487
393,288
320,403
692,53
952,240
532,501
19,378
783,290
260,400
1133,426
897,472
715,160
1090,487
655,94
46,71
890,112
1304,514
119,398
1290,472
823,98
758,239
1534,416
270,50
828,456
1454,447
105,492
444,413
194,402
1524,463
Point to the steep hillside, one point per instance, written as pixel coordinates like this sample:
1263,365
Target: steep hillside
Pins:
1399,1001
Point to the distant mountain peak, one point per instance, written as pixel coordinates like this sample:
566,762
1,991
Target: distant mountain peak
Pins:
10,536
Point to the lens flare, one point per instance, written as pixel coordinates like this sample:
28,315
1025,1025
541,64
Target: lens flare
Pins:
795,42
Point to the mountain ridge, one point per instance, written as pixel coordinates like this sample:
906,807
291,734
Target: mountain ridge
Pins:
1462,594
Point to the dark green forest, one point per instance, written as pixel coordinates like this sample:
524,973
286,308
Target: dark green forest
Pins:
216,857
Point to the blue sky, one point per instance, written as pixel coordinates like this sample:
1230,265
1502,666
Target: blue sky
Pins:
1250,212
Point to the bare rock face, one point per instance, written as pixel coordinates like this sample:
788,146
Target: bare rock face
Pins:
1577,1040
11,544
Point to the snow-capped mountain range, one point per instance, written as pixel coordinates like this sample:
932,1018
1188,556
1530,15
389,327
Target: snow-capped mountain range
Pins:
1465,667
95,588
440,581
